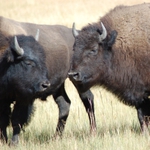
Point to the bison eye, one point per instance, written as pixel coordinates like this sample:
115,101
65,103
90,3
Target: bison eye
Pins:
29,62
94,51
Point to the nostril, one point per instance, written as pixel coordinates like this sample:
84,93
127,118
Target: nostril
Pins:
74,75
45,84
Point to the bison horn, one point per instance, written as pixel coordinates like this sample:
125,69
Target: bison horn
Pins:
104,33
74,31
37,35
18,49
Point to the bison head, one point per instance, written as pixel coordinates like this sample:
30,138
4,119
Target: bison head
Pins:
91,54
24,71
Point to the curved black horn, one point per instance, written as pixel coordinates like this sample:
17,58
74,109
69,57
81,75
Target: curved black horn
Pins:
104,33
37,35
18,49
74,31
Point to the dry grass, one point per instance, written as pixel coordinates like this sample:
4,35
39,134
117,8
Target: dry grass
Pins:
118,127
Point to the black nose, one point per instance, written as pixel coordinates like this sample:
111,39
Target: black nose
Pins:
45,85
75,75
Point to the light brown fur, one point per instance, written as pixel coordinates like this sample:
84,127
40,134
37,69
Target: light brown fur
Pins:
133,40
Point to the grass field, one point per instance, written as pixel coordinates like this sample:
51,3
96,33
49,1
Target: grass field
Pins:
117,124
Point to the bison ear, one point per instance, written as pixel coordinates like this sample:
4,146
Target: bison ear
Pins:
112,38
10,56
108,43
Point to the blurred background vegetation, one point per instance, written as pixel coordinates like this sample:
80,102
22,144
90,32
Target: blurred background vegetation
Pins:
117,124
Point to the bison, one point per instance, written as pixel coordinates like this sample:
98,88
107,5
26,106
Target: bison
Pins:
57,42
115,53
23,76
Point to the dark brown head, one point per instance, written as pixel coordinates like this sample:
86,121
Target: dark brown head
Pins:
91,53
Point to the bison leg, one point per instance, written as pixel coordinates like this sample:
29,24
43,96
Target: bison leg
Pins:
143,112
87,99
21,116
63,103
5,112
